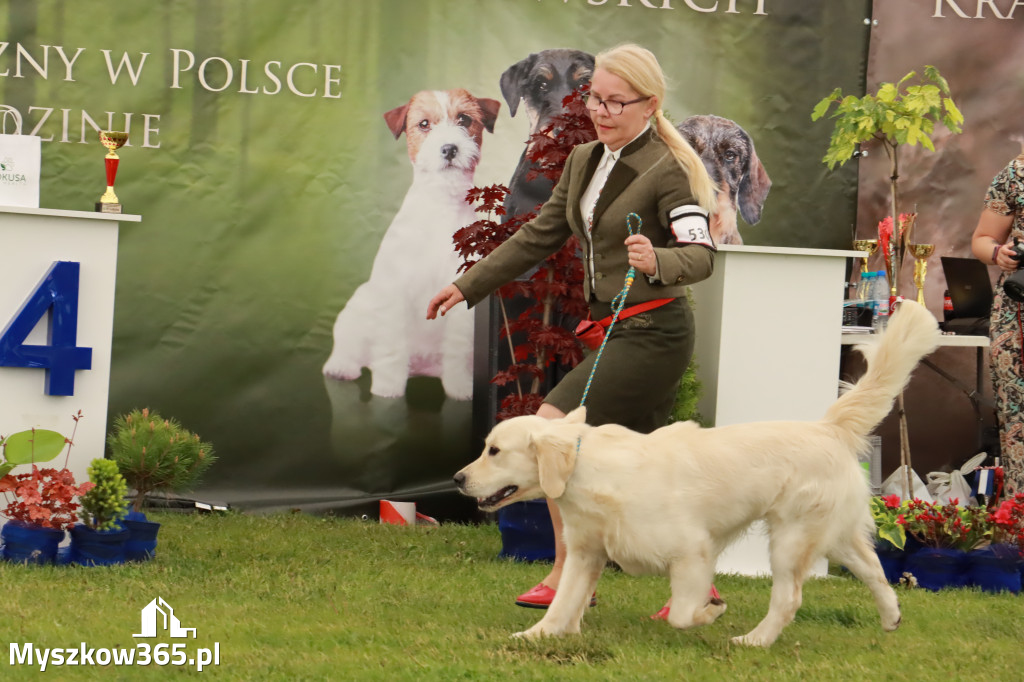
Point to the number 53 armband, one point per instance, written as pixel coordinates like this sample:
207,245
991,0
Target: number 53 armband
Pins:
689,225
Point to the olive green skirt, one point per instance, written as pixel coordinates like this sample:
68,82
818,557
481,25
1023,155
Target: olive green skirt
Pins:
638,376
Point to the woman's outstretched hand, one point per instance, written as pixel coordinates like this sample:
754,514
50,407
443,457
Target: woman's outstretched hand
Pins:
444,301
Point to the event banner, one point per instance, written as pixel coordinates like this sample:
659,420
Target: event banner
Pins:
300,168
978,47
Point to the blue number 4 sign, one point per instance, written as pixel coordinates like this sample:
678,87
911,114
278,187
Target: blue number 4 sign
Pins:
56,294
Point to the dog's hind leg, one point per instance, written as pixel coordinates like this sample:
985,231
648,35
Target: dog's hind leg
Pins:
691,579
793,552
579,578
859,556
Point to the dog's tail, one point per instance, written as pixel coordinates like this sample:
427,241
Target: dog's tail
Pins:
911,334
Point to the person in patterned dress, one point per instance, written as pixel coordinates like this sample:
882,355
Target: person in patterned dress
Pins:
1002,222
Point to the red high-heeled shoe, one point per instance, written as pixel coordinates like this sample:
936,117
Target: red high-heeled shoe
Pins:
540,596
663,613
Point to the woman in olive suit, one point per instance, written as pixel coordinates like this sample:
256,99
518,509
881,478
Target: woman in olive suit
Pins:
639,164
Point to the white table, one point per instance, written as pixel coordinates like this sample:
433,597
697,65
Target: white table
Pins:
980,343
32,240
769,322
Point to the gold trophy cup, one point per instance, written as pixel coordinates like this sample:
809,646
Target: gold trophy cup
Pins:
869,247
113,141
921,253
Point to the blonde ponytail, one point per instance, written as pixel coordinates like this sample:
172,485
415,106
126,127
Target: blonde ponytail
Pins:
700,182
640,68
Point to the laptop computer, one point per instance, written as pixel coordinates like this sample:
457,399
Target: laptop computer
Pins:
970,290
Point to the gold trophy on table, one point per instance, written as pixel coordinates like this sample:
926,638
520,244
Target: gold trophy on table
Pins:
112,140
869,247
921,254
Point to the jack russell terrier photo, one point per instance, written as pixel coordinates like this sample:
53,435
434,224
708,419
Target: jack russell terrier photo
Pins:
382,326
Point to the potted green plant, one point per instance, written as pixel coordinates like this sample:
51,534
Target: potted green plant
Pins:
154,455
101,539
898,114
41,504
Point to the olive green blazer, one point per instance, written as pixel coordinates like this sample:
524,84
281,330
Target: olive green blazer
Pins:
646,180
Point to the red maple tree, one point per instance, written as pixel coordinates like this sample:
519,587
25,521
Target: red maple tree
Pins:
554,291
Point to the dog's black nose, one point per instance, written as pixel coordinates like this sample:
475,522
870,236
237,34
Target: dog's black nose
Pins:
460,479
449,152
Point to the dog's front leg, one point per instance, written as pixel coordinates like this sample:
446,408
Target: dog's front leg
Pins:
579,578
389,360
457,355
691,582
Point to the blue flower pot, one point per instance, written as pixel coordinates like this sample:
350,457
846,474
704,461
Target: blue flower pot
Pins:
27,543
141,543
938,568
892,559
97,547
996,568
526,531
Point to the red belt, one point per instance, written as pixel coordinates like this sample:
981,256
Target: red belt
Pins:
635,310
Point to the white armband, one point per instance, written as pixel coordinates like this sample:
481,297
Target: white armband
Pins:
689,224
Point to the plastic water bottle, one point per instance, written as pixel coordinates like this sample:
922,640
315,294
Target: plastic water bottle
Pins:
871,461
880,296
867,280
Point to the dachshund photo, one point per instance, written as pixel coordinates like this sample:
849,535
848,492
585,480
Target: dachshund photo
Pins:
728,153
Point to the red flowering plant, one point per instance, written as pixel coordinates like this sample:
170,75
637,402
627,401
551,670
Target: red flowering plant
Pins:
949,526
1008,523
889,514
894,246
43,497
537,342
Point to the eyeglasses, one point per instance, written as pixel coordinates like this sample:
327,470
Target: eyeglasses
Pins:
614,108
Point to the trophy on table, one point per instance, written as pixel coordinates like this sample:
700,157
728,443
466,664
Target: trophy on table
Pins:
869,247
113,141
921,253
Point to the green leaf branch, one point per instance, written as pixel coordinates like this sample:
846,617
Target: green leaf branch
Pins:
905,112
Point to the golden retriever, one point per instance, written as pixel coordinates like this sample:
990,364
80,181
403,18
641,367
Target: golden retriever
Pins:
669,502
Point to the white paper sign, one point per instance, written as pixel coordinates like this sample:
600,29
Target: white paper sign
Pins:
19,170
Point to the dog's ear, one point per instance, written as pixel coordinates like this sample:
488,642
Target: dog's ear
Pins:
490,109
577,416
753,189
512,82
396,120
556,459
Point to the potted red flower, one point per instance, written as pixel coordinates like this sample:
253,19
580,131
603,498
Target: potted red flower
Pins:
998,566
946,532
41,504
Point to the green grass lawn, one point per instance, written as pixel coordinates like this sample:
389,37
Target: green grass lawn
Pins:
297,597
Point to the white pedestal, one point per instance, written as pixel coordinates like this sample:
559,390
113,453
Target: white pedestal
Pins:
769,324
31,240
